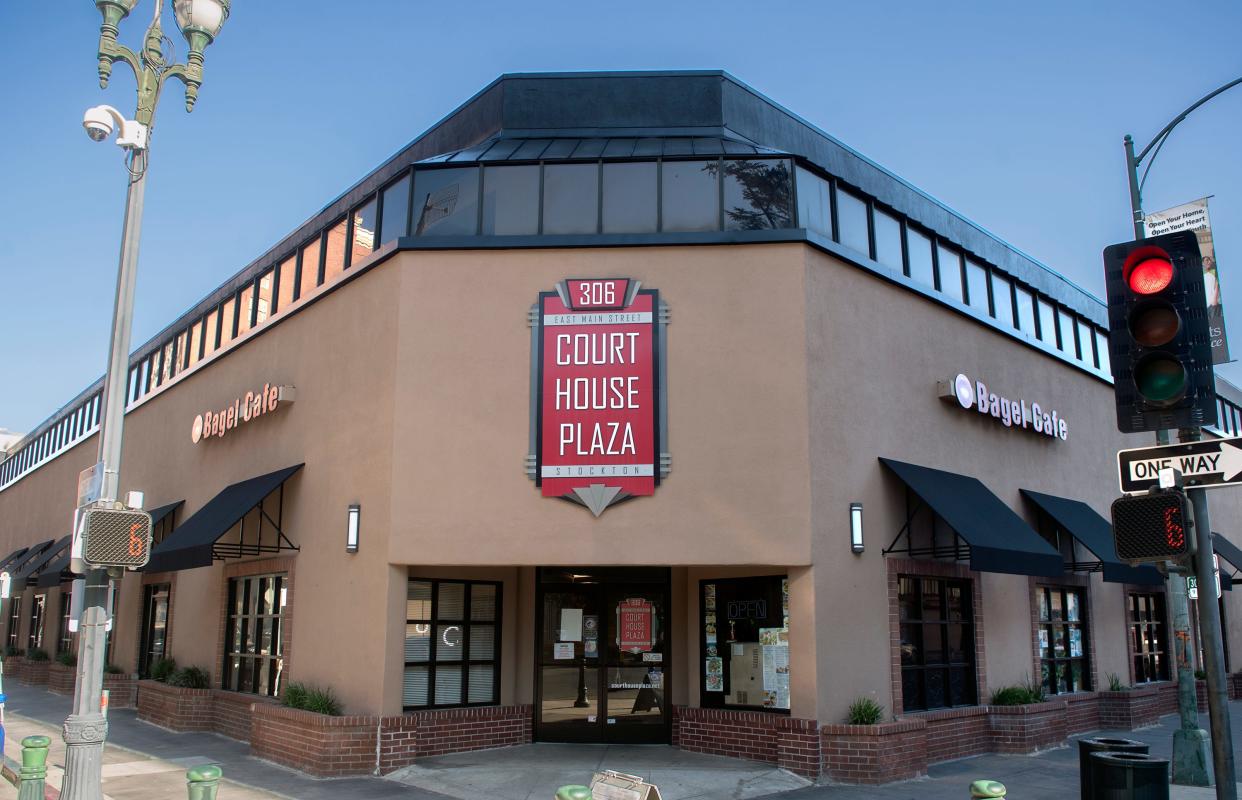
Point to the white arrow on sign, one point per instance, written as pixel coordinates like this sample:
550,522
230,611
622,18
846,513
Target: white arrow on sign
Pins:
1227,462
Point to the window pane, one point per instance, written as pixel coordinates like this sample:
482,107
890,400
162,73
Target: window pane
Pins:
630,198
1065,324
169,367
852,222
756,195
418,641
1002,300
920,254
213,320
396,210
245,309
418,600
1047,322
264,309
483,602
310,267
452,601
196,341
977,285
284,297
1101,349
180,351
482,642
510,200
814,203
950,263
449,643
570,198
1026,310
448,686
446,202
334,252
887,239
482,680
1086,352
364,232
690,196
414,687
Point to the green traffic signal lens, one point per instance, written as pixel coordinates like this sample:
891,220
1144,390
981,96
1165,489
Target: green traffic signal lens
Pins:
1154,324
1160,379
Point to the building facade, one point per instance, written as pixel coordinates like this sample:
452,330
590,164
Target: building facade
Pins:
622,408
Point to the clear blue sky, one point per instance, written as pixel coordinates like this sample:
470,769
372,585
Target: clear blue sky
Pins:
1010,113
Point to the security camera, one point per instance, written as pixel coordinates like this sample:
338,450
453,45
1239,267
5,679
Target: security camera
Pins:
98,123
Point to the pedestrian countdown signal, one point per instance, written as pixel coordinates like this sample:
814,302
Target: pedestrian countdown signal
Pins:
1152,527
116,537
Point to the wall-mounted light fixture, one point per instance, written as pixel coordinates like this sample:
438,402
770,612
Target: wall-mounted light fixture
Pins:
856,530
351,529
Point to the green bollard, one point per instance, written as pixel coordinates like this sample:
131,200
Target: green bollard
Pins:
573,792
981,789
34,767
203,782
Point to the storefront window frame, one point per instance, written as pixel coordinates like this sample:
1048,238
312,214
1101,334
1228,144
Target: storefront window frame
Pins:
275,655
15,620
38,611
1053,626
701,624
64,637
968,622
1145,630
465,662
146,655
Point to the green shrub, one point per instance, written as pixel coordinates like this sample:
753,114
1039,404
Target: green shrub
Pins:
1115,684
67,659
190,678
1200,675
112,669
864,711
163,669
312,698
11,652
1018,695
35,654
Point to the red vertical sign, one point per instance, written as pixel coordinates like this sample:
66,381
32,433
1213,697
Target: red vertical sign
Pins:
597,392
634,617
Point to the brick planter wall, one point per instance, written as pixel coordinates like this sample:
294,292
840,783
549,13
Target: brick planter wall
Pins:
319,745
788,742
957,733
231,713
173,707
1134,708
35,673
890,751
1201,694
122,689
1235,686
60,678
1082,713
433,733
14,666
1025,729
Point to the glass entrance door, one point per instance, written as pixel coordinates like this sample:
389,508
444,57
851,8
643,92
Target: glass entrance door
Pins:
603,656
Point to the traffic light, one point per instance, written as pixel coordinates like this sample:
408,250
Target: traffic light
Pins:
1152,527
1158,341
118,537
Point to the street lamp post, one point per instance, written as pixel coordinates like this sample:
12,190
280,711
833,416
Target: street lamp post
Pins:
200,21
1188,741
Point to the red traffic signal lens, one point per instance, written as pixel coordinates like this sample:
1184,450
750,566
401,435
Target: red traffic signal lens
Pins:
1148,270
1155,324
1160,379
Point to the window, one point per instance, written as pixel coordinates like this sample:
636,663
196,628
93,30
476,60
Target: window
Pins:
254,648
1065,324
34,637
1086,346
745,640
362,240
226,320
396,210
263,305
510,201
310,267
1026,310
452,644
1062,640
15,619
212,331
1101,350
288,273
977,286
334,251
154,626
814,203
919,250
630,198
446,202
757,195
1047,323
196,342
690,196
949,263
852,222
1149,638
887,239
570,198
64,640
245,311
937,643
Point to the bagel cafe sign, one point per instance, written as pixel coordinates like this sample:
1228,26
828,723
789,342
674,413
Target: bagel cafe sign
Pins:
1008,410
219,422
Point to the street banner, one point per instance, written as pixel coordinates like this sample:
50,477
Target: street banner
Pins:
1194,217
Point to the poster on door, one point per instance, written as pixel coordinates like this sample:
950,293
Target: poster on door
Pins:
634,625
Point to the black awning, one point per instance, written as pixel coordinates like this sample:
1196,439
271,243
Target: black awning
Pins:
56,573
18,564
193,543
1096,534
33,567
19,552
1000,541
158,514
1228,551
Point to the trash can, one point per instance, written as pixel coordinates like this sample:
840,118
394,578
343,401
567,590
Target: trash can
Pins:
1101,744
1129,776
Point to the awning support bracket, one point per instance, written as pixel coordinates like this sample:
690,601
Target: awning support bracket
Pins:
957,551
225,550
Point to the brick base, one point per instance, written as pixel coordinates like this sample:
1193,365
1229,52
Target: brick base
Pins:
173,707
1134,708
788,742
60,678
122,689
35,673
13,667
1026,729
891,751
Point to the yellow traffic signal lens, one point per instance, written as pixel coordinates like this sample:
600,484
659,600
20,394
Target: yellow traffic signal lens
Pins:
1155,324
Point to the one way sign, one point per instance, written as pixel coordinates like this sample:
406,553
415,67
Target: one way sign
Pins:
1217,462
